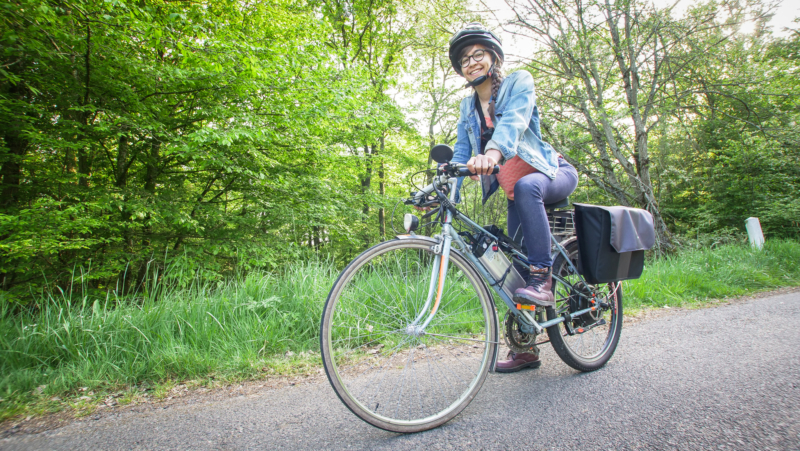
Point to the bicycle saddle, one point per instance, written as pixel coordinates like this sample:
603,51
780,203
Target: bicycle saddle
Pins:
563,203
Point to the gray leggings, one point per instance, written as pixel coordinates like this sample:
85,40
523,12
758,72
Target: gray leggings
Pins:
526,211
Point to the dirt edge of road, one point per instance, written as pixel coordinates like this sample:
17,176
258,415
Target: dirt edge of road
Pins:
182,395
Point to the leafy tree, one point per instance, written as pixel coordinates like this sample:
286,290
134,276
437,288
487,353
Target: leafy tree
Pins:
210,129
606,65
733,143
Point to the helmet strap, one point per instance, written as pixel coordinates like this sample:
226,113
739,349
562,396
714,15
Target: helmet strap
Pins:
480,79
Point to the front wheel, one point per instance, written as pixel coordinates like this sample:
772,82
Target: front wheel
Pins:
381,364
588,341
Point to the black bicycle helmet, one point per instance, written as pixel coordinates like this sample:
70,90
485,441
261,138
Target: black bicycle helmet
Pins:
472,34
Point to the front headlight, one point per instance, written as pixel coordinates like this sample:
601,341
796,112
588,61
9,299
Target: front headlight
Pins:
410,222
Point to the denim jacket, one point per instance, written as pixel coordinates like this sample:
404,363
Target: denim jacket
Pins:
516,132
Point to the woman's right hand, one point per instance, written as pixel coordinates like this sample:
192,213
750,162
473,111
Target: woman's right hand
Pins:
483,164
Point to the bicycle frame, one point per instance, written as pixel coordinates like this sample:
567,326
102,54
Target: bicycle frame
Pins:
442,251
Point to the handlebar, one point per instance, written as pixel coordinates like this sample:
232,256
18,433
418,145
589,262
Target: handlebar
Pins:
420,198
460,170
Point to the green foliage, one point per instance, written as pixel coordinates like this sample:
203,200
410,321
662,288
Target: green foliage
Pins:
732,151
226,131
717,138
754,177
222,135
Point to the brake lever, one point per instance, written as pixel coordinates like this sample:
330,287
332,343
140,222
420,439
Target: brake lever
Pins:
410,201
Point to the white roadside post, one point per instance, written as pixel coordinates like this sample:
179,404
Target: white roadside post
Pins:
754,232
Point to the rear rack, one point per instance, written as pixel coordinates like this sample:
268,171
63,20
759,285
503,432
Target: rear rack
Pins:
562,225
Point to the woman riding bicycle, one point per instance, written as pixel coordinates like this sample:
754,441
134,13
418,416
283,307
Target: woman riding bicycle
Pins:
499,124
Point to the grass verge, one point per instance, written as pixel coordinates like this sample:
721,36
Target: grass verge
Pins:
76,352
697,276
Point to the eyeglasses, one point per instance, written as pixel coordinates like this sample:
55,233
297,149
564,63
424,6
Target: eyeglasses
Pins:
477,56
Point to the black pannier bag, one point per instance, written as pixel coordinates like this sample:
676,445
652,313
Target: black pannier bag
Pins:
612,241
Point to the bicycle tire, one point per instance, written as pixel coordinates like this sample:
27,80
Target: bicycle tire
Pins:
364,335
591,349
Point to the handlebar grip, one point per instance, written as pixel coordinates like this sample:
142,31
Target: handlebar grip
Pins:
464,172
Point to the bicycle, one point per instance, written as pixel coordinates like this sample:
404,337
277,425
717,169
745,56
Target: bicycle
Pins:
410,329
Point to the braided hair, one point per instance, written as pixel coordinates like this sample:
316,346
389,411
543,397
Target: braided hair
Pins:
497,81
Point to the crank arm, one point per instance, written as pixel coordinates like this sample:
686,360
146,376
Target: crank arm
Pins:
538,327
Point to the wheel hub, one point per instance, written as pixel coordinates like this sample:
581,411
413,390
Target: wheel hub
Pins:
415,330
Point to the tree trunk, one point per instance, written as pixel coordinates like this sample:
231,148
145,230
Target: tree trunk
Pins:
121,181
366,178
84,153
366,182
382,190
121,175
151,175
628,60
11,170
152,171
84,167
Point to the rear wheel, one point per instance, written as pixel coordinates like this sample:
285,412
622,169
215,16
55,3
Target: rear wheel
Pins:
384,368
587,342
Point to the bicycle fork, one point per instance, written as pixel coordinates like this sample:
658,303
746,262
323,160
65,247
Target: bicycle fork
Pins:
438,274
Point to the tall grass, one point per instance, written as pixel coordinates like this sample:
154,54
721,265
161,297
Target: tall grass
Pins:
237,329
702,274
224,330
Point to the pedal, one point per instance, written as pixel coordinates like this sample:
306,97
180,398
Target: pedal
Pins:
526,307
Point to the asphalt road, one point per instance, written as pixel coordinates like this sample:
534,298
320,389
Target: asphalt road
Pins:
719,378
